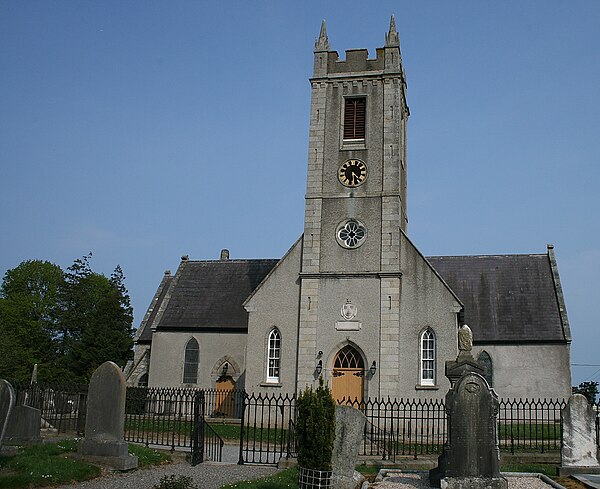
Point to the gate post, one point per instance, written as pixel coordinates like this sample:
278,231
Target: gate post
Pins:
198,429
244,396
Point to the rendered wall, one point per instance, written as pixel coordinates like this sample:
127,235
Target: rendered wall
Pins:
274,304
166,366
425,303
530,371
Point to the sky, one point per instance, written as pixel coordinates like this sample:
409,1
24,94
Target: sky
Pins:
142,131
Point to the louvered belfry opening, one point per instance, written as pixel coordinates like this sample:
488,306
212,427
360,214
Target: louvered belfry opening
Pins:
354,118
348,357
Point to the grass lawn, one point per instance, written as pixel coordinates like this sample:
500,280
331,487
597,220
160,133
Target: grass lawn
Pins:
50,464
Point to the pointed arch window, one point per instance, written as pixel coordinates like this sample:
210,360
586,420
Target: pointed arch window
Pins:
273,356
143,380
427,358
488,370
190,362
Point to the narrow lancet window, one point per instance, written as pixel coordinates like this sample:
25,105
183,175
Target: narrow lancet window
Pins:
190,362
273,356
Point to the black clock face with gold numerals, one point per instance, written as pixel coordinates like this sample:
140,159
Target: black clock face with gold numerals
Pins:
352,173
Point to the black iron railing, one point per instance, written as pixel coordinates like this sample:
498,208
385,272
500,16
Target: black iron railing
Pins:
263,424
63,406
530,424
267,428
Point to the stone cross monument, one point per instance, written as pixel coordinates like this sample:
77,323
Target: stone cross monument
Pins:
470,458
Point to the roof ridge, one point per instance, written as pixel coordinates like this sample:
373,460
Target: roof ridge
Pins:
485,256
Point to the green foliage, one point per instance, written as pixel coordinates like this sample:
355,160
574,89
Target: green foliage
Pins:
28,317
315,428
174,482
135,402
67,322
281,480
44,465
588,389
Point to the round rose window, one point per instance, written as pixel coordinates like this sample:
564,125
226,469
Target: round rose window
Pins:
351,234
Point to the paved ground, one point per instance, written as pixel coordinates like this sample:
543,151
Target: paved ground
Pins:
207,476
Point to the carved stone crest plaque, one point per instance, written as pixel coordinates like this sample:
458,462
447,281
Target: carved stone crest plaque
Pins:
349,310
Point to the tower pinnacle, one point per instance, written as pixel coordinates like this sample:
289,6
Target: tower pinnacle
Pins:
391,38
322,44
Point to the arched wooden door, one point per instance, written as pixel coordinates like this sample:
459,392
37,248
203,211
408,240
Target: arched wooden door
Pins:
348,376
224,401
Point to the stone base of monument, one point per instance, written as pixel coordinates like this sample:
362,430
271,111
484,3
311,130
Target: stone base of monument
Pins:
473,483
345,482
110,453
577,469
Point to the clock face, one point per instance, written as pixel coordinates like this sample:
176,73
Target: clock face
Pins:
352,173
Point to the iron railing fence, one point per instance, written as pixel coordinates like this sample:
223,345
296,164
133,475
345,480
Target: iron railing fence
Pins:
530,424
401,427
267,428
263,424
174,418
63,406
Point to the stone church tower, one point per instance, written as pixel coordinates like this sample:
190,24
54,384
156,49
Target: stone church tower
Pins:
349,324
356,193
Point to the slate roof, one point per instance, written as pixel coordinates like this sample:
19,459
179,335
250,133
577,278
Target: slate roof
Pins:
209,294
507,298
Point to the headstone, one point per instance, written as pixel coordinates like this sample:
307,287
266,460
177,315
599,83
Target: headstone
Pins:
105,420
349,434
7,401
472,457
24,426
580,453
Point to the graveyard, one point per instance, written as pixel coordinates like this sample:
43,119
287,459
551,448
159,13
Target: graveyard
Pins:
468,457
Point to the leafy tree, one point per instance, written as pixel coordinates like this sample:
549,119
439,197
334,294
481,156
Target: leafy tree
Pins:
28,317
588,389
67,322
315,430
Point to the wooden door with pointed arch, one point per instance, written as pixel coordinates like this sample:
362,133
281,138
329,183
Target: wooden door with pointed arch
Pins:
224,402
348,377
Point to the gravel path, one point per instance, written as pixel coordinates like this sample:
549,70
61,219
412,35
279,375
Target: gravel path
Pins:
206,476
421,481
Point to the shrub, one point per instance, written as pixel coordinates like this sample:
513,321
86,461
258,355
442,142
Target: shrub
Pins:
315,429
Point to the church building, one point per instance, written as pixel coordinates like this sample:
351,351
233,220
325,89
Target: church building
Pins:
354,300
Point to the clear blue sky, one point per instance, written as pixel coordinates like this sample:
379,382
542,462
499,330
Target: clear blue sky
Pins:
145,130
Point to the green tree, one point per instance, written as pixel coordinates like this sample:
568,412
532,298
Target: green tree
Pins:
96,320
29,318
588,389
315,428
67,322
